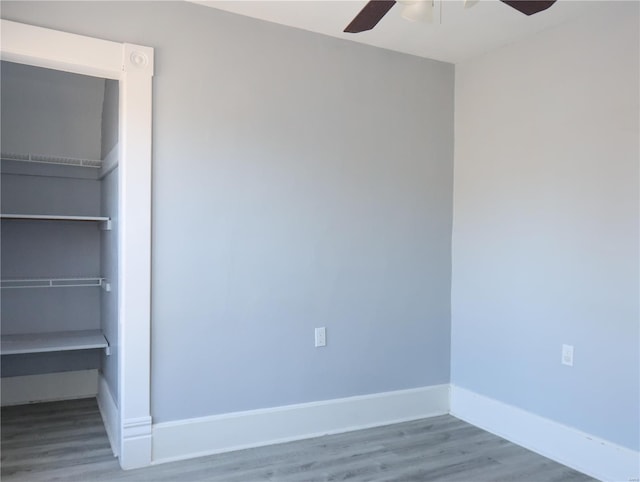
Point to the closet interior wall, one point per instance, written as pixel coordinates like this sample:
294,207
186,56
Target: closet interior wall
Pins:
109,245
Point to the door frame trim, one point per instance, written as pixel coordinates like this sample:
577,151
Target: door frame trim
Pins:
132,66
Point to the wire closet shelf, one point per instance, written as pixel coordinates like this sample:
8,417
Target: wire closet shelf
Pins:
51,283
40,159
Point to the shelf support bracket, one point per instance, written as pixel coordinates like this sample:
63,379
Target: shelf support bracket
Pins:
105,225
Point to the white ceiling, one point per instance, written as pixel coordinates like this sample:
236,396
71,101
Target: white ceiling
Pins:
456,34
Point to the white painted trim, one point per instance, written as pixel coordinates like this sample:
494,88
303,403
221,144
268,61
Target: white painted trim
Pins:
49,387
43,47
581,451
136,442
184,439
132,66
110,414
134,252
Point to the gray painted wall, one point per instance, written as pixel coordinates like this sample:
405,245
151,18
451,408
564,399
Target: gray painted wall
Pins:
48,112
32,188
53,362
109,239
109,264
298,181
110,110
545,240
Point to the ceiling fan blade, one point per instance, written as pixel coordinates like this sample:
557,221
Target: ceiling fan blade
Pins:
529,7
369,16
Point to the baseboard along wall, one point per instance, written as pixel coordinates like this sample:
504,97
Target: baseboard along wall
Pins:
234,431
110,414
581,451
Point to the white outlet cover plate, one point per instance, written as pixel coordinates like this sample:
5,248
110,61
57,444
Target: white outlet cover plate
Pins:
567,355
321,337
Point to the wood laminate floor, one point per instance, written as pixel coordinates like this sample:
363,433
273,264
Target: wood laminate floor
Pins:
66,441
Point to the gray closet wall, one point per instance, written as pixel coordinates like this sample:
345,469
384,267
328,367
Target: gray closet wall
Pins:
109,247
110,109
50,112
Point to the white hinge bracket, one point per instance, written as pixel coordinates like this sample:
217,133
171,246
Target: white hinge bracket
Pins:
105,225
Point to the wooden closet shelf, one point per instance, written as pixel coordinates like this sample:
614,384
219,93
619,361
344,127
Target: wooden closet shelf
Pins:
53,342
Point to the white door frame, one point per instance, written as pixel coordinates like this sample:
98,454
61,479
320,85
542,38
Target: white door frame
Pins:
132,66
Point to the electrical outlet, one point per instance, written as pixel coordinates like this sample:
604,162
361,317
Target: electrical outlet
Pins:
321,337
567,355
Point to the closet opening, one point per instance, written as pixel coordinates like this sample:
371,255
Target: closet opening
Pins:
59,234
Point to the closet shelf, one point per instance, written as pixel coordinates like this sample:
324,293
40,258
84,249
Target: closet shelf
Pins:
64,161
53,342
50,217
105,221
51,282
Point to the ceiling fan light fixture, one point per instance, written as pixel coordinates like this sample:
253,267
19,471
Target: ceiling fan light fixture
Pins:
418,11
422,11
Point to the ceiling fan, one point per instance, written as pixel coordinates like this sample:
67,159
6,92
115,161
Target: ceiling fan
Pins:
374,10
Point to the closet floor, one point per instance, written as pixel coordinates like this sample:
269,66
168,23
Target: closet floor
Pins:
66,441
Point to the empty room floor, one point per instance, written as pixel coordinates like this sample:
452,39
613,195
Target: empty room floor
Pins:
66,441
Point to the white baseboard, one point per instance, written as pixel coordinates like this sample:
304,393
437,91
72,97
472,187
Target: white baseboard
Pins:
49,387
110,414
190,438
581,451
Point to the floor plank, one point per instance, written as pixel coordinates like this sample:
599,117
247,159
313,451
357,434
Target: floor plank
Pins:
66,441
